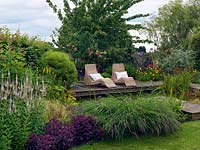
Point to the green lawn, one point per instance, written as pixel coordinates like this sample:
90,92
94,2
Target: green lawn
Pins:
188,138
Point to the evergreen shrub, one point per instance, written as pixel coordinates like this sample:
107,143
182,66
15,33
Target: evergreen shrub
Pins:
61,65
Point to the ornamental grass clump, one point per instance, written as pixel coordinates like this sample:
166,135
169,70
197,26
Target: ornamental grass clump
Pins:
177,85
133,117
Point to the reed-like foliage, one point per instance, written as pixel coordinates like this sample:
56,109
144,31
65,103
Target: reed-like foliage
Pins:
177,85
55,109
133,117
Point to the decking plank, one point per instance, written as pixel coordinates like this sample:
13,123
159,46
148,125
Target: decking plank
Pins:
81,90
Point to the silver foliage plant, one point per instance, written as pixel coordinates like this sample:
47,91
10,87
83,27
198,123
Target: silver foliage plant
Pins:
177,58
12,89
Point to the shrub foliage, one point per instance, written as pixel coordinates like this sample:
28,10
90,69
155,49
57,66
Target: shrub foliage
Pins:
62,136
61,65
172,59
62,132
15,127
86,128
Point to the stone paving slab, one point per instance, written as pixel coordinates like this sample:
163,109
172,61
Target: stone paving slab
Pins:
190,107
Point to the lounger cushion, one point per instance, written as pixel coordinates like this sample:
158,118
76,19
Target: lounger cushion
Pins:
96,76
121,75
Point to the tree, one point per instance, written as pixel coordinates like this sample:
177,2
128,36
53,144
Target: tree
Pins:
175,21
95,31
194,44
19,52
142,49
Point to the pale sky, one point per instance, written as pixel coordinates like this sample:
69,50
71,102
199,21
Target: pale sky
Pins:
36,18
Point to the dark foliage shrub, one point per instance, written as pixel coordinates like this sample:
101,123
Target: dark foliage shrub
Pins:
86,129
142,49
128,117
59,136
141,59
41,142
61,66
62,136
53,126
32,142
62,132
65,137
46,142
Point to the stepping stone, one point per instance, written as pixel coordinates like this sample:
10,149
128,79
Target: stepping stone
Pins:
192,110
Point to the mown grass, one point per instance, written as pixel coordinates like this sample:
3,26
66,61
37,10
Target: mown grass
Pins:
186,139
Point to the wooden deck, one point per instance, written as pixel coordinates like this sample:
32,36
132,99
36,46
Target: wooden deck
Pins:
81,90
192,110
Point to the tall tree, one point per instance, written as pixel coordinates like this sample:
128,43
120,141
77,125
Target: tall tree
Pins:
175,21
95,30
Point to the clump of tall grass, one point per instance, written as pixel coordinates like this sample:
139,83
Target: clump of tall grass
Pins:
133,117
177,85
55,109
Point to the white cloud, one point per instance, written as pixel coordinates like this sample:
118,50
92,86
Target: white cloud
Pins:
35,17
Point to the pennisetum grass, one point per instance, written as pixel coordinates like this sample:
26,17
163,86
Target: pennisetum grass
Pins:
133,117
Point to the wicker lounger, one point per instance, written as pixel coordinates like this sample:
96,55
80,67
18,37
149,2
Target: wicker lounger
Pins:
128,81
91,69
